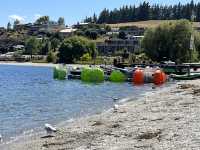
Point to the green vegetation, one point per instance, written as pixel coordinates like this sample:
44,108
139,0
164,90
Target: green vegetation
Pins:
86,57
43,20
92,30
117,76
74,48
51,57
145,11
32,46
94,75
171,41
61,21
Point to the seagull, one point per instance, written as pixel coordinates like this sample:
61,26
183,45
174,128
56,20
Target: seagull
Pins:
115,107
115,99
1,139
50,129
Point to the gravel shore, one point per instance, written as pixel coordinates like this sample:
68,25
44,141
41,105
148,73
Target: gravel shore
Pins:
165,119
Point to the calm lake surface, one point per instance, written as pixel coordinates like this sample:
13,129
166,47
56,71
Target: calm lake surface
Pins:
30,97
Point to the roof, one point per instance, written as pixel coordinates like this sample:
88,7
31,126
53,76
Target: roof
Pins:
68,30
18,46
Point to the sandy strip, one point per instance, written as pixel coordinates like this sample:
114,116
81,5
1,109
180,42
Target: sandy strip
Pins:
165,119
39,64
29,64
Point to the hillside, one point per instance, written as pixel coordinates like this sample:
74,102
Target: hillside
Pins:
146,24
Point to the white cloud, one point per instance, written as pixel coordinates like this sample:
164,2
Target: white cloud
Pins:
36,16
17,17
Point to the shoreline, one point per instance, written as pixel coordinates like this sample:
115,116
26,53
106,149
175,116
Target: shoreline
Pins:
28,64
165,119
40,131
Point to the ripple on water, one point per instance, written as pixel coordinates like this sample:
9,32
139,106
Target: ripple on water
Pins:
29,98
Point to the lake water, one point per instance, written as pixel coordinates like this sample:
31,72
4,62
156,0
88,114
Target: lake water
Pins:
30,97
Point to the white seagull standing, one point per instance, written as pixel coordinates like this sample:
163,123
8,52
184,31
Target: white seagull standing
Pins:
115,107
50,129
1,139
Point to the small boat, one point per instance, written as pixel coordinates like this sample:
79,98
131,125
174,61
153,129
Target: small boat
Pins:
190,76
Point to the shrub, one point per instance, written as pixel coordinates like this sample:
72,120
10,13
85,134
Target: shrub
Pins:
86,57
51,57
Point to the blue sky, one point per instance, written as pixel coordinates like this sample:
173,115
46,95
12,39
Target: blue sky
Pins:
71,10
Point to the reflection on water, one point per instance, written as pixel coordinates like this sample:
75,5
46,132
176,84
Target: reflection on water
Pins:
29,97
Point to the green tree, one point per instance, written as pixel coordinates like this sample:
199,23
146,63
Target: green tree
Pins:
197,42
47,47
61,21
55,43
43,20
16,22
51,57
73,48
94,19
122,35
91,34
170,40
104,16
9,26
31,46
86,57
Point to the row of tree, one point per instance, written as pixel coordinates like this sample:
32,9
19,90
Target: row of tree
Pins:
145,11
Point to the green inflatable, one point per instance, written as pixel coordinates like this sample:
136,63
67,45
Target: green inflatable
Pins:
117,76
92,75
59,73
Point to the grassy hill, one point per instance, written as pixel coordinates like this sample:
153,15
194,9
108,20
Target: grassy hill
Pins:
146,24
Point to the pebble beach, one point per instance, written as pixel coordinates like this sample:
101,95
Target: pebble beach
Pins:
164,119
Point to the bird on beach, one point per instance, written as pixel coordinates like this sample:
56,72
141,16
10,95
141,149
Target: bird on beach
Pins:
115,107
50,129
1,139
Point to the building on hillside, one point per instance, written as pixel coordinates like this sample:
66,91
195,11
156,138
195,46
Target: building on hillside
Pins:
18,47
135,31
110,46
80,25
129,31
67,32
39,28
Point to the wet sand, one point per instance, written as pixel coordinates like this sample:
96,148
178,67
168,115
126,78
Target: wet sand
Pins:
164,119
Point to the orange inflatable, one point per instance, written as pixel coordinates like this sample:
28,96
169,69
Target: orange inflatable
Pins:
159,77
138,76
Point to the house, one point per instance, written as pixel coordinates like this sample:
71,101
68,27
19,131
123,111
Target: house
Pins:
112,45
39,28
80,25
18,47
67,32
